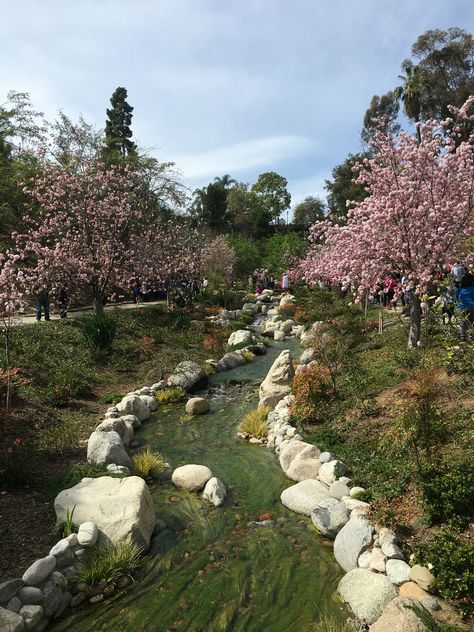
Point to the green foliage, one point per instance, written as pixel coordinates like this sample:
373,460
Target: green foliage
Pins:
448,491
148,464
72,476
272,194
255,422
327,623
312,390
312,209
109,563
248,254
117,128
248,356
430,624
99,332
342,188
280,251
170,395
451,557
66,527
55,359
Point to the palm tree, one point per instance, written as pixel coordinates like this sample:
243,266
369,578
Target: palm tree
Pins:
225,181
411,92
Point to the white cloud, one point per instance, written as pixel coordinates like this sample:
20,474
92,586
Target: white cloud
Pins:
263,153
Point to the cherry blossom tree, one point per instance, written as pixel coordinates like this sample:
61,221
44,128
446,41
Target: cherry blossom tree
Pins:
417,217
12,301
218,258
87,233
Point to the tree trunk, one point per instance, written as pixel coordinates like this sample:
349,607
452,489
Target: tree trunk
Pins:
415,321
98,305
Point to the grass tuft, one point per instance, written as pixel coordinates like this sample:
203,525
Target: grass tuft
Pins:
170,395
255,422
109,563
148,464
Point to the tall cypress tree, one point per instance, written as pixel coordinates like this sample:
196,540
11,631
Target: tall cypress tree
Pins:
117,127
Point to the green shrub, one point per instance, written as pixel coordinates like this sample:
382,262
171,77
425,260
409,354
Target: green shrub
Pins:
64,528
448,493
313,390
248,356
72,476
452,560
148,464
255,422
99,332
109,563
170,395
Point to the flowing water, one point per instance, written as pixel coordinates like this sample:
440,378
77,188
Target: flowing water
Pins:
210,570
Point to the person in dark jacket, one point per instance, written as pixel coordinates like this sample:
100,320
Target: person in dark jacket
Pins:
465,299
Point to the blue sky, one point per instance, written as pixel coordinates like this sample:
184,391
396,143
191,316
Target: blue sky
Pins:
222,86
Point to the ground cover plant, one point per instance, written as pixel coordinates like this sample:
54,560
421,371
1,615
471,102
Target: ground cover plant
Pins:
255,422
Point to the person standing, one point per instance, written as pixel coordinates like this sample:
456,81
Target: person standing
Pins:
42,304
465,298
285,282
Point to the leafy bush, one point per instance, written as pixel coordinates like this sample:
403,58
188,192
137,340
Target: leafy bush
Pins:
255,422
170,395
109,563
18,463
451,557
99,332
74,475
312,389
148,464
248,356
448,493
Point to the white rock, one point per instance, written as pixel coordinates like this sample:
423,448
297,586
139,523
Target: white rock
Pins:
366,593
122,508
32,615
117,425
191,477
329,516
304,496
88,534
351,541
338,490
106,447
197,406
133,420
158,386
364,559
397,571
133,405
241,336
378,560
352,503
331,471
39,571
279,335
10,621
150,402
398,616
355,491
215,492
60,547
278,381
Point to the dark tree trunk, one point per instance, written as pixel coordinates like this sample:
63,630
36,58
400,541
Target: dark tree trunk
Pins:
415,321
99,305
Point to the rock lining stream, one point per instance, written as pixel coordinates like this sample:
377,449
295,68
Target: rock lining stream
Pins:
228,568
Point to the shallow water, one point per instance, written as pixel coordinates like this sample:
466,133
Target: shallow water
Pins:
210,571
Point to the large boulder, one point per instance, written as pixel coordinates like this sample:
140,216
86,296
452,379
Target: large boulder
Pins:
398,616
304,496
277,383
117,425
288,454
351,541
133,405
215,492
150,402
191,477
231,360
39,571
10,621
241,336
104,448
122,508
189,376
367,593
329,516
287,300
305,463
331,471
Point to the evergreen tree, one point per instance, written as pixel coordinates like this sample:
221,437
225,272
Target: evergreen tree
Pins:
117,127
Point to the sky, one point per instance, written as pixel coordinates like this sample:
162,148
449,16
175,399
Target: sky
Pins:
219,87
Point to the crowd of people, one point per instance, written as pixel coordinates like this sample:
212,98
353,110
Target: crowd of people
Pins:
262,280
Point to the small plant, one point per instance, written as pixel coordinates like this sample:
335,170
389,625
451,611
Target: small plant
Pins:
65,527
255,422
148,464
248,356
109,563
313,390
18,462
327,623
170,395
99,332
451,557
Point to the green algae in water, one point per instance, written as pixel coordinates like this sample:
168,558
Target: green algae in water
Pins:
209,570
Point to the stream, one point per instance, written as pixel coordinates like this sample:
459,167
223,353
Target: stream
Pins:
211,571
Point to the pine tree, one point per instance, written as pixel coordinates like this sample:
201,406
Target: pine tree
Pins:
117,127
